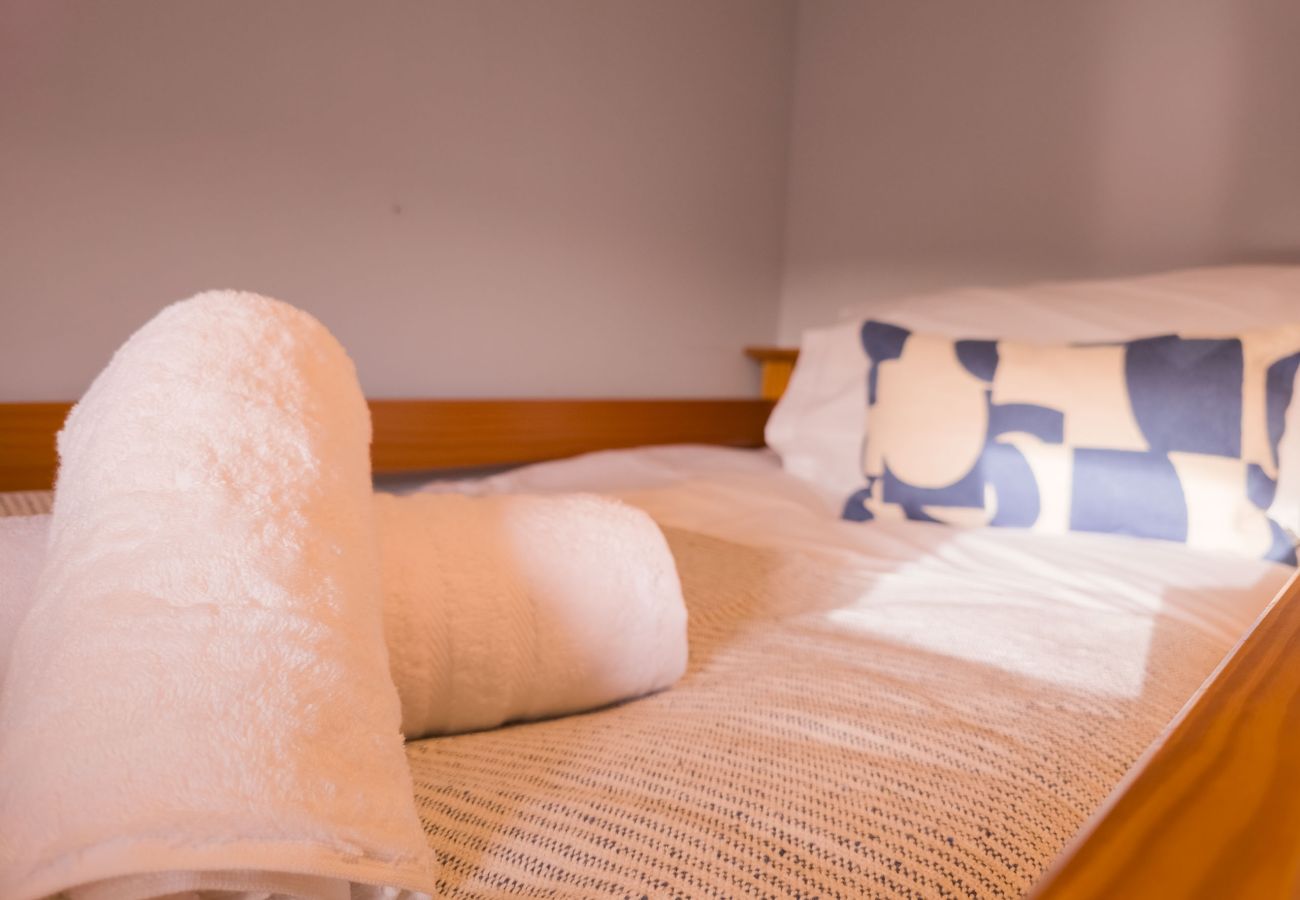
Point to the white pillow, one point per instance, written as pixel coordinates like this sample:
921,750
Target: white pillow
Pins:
819,425
1219,300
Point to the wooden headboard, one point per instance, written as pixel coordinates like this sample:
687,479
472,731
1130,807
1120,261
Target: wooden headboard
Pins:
418,435
776,365
424,435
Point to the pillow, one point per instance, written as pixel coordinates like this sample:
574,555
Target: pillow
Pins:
820,422
1163,437
818,425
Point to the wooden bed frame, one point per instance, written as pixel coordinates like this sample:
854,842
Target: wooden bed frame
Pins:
425,435
1211,810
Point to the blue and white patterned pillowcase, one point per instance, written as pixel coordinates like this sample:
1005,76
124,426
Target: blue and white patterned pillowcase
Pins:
1164,437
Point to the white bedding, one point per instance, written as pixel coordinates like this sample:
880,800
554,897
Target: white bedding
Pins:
878,709
883,709
744,496
1013,584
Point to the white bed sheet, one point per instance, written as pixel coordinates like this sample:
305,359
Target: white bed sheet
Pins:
1078,609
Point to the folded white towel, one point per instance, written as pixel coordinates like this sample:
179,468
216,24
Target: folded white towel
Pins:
498,608
501,608
199,697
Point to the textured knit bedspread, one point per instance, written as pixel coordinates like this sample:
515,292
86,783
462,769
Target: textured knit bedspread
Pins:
931,716
807,755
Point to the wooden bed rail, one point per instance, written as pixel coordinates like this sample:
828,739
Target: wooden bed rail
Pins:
1213,808
415,435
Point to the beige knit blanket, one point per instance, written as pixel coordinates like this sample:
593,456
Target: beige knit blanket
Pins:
26,503
803,755
799,757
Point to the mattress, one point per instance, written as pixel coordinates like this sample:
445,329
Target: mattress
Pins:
882,710
899,709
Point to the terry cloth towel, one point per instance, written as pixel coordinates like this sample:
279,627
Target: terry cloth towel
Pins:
199,699
511,607
496,609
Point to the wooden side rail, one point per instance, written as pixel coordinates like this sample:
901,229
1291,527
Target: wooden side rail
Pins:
413,435
1213,809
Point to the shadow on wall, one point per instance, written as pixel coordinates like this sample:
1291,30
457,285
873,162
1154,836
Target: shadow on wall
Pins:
1196,134
1261,208
942,146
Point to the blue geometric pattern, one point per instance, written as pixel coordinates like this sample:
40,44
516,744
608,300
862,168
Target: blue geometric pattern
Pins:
1164,437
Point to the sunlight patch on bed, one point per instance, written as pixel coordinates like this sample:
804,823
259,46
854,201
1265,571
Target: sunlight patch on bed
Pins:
1104,654
1048,632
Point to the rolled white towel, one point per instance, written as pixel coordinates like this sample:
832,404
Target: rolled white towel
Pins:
496,608
511,607
199,697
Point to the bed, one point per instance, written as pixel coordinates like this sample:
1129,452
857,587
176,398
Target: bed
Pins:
905,711
902,710
828,740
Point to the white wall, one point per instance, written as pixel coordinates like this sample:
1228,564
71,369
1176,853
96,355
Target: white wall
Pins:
576,197
588,197
941,144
